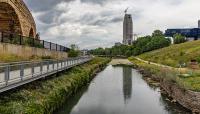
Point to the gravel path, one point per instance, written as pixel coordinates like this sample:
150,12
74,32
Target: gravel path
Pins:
120,61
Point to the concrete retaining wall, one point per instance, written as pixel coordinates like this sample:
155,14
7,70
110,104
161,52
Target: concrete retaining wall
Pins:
25,51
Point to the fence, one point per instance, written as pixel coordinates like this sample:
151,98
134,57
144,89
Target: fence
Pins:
6,37
20,73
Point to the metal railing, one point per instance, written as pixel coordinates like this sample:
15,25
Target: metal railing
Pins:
16,74
6,37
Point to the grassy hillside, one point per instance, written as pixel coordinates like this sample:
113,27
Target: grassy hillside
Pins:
175,54
191,82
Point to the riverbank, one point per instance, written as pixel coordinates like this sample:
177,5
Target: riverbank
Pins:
45,96
181,89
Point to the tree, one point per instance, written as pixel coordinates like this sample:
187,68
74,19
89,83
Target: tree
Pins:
74,51
141,45
157,33
178,38
74,47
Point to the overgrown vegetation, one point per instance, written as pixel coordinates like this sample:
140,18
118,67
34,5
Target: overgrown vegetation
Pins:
191,82
74,51
44,96
178,38
4,58
174,55
144,44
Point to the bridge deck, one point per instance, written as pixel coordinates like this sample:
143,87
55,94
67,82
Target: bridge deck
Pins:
17,74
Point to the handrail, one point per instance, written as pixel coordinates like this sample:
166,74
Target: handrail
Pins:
13,38
14,75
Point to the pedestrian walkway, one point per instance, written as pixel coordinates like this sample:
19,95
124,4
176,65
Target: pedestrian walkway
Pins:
16,74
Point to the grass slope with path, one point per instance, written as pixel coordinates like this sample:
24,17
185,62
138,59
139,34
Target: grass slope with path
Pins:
174,54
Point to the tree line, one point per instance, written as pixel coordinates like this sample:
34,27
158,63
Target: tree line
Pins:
143,44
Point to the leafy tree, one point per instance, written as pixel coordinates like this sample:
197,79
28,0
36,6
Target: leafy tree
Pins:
178,38
157,33
74,51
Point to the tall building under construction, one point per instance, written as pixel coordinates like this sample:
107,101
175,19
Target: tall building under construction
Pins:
127,30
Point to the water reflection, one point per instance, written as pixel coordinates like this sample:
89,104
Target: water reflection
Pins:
127,84
120,90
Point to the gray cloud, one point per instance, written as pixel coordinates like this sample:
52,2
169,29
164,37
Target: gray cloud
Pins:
43,5
94,23
100,2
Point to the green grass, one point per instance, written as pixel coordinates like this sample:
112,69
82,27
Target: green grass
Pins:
174,54
44,96
189,83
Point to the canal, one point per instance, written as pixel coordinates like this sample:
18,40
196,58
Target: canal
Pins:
120,90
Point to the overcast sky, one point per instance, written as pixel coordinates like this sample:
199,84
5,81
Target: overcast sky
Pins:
98,23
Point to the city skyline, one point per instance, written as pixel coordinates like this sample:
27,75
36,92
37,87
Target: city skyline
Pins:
100,23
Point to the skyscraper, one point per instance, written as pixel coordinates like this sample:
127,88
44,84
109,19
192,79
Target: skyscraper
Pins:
127,29
198,23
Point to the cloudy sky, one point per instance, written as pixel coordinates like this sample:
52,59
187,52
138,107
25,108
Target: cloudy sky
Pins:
95,23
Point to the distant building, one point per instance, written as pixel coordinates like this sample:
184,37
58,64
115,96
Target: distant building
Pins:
189,33
199,24
84,52
127,30
118,44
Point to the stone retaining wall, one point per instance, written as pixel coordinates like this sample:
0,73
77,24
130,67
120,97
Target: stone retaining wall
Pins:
187,98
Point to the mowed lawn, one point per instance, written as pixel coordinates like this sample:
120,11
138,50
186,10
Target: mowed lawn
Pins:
174,54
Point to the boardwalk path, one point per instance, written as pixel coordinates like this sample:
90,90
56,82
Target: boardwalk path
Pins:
14,75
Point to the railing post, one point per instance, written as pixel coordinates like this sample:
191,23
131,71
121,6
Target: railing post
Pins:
20,39
50,45
32,69
22,71
57,64
65,63
2,36
47,66
56,47
41,68
33,42
7,74
53,65
43,43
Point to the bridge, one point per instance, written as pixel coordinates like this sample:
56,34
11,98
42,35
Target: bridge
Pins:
16,74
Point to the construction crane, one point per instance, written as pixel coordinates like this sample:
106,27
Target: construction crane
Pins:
126,10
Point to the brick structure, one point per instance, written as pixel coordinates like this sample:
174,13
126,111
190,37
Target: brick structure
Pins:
15,17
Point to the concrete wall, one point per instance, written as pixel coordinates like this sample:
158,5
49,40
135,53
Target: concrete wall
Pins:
25,51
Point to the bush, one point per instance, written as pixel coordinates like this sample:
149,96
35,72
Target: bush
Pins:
178,38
